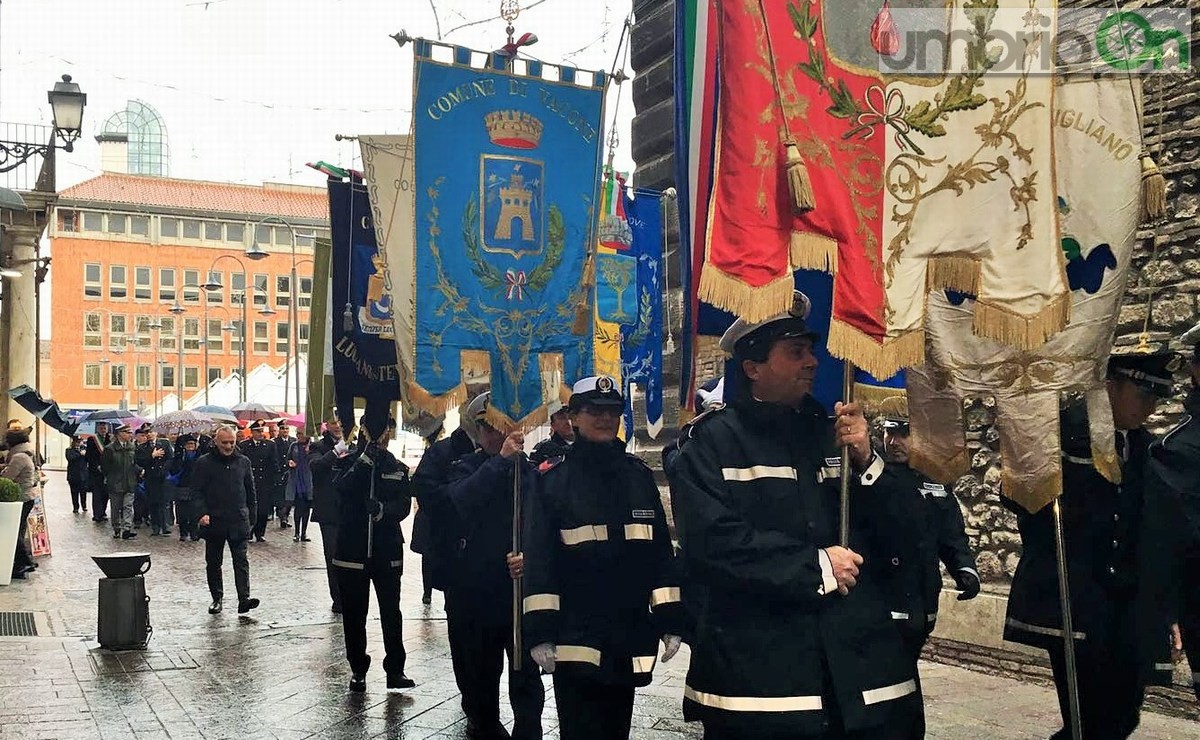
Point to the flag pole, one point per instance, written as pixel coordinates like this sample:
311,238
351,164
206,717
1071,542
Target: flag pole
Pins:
516,548
1068,630
844,480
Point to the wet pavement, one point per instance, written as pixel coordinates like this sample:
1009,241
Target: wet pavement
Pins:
280,672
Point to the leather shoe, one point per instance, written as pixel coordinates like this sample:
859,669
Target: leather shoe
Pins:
247,605
358,682
399,682
216,607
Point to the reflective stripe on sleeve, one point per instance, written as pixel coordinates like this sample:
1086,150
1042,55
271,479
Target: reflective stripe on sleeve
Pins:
667,595
347,564
758,471
754,703
899,615
888,693
577,654
1035,629
1169,667
643,664
540,603
639,532
586,533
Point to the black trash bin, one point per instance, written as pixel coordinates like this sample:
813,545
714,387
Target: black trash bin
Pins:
123,613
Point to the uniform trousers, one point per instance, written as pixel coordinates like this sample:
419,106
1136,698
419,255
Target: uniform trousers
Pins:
329,533
99,496
590,710
478,645
1110,692
913,646
1189,618
265,508
78,495
355,588
122,510
214,552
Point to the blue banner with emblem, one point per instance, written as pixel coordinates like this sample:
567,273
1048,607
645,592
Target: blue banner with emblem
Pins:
642,339
507,161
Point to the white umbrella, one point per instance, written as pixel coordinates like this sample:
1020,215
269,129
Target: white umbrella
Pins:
183,422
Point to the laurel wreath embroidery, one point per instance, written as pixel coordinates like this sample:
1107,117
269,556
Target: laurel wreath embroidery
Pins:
490,276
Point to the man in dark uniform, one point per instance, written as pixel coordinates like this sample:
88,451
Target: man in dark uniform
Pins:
1171,569
153,456
562,434
795,637
283,445
322,459
929,527
94,454
478,580
265,462
434,534
223,487
1100,528
601,586
374,495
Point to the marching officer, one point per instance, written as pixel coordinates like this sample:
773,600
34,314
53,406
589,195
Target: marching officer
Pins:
1171,570
928,527
1101,523
374,496
795,637
478,583
601,587
435,528
266,466
562,434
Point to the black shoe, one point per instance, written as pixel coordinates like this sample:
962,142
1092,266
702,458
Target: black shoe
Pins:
216,607
358,682
259,538
296,538
156,534
427,598
283,525
19,575
74,511
195,538
480,732
128,535
305,539
116,535
100,519
247,605
183,538
399,682
336,608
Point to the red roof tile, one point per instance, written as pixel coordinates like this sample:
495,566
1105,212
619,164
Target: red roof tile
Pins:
268,199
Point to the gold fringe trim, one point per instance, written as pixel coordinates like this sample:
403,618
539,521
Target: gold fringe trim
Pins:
1154,190
436,405
955,272
1031,495
945,471
1020,331
507,424
809,251
878,400
880,360
1107,464
745,301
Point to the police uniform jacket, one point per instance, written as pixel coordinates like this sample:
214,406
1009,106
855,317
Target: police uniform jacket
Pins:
548,449
435,535
264,463
756,490
223,489
1101,523
366,474
321,461
600,579
480,494
155,469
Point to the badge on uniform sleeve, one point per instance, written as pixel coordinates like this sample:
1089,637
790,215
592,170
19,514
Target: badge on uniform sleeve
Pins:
643,513
937,490
831,470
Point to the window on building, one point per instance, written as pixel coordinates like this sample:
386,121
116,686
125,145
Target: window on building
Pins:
68,220
142,331
166,333
281,338
214,373
262,343
306,285
166,285
116,282
91,330
93,221
117,327
260,291
216,337
142,379
305,238
235,337
283,237
116,223
191,290
91,281
191,229
191,377
262,235
235,232
303,335
213,231
139,225
91,375
168,375
168,227
191,335
116,376
283,291
237,287
215,296
141,284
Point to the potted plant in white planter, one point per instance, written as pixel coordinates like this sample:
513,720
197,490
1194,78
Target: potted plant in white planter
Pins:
11,503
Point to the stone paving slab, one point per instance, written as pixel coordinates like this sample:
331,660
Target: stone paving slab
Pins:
281,673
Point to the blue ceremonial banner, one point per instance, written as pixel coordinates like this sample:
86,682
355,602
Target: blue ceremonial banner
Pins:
364,357
642,343
506,171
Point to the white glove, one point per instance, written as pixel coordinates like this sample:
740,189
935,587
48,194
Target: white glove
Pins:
544,656
341,449
670,646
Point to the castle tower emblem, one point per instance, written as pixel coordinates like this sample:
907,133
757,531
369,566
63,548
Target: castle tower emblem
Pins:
515,201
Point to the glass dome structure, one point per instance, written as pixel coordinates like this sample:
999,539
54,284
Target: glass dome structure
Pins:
148,151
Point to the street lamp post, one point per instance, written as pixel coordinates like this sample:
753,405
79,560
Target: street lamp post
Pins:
256,252
248,289
178,311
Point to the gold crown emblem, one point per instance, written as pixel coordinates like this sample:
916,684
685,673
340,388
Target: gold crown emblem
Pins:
513,129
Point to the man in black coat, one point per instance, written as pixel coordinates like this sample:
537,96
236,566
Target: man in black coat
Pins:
267,467
562,435
153,456
436,530
283,445
374,496
1101,523
94,454
223,487
478,582
322,458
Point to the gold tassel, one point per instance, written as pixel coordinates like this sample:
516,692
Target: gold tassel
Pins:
880,360
583,310
799,183
1154,189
